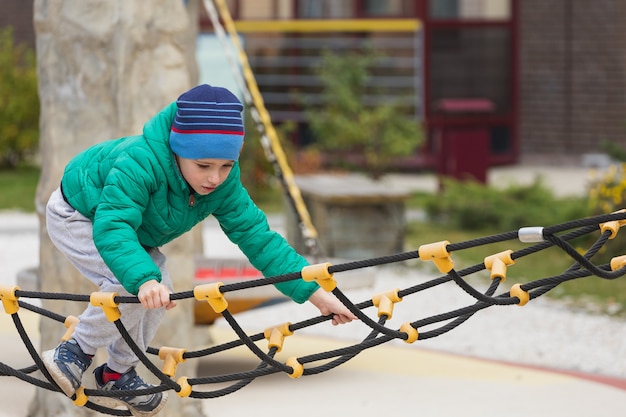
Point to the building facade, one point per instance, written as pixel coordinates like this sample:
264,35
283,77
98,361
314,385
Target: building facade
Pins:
554,71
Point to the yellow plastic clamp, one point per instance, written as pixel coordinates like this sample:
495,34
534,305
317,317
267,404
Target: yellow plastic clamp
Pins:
212,294
298,368
171,357
438,253
411,332
385,302
614,225
497,264
69,323
276,335
618,262
321,275
185,387
9,300
517,291
81,398
106,300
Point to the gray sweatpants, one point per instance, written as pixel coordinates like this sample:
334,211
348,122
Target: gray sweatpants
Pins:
71,233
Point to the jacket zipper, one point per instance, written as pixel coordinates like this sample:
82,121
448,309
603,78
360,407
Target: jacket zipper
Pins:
192,198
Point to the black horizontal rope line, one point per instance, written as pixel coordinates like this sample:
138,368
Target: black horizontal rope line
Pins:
7,370
106,410
424,286
584,263
458,312
546,244
365,319
556,279
461,318
238,376
503,237
227,390
261,370
341,359
593,250
41,311
52,296
595,220
220,348
250,344
472,291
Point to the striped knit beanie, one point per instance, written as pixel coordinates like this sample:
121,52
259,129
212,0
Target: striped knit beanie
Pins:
208,124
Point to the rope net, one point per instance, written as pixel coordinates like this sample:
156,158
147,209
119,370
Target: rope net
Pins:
440,253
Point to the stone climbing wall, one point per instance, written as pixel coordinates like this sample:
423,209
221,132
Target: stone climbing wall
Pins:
105,68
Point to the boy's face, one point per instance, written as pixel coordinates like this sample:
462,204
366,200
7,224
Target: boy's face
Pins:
204,175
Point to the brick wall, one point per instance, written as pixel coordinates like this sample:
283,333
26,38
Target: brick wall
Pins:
19,14
572,75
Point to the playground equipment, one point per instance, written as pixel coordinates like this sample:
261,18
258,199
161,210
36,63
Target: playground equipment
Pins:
217,296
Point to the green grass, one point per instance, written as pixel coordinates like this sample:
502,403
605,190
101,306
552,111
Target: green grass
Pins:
18,188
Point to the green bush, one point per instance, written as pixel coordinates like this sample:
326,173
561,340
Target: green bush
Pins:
19,101
474,206
346,126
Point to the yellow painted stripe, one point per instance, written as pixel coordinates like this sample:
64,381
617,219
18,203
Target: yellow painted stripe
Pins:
329,25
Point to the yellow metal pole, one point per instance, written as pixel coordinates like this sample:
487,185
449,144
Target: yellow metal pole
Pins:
269,138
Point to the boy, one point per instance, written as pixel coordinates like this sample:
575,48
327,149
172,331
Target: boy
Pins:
122,199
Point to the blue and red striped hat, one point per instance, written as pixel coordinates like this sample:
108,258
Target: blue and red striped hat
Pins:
208,124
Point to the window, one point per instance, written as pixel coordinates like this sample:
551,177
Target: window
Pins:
325,9
470,9
471,62
395,8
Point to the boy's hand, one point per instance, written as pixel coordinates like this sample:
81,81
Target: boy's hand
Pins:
153,294
327,304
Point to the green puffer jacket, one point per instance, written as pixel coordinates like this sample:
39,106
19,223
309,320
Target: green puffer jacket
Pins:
132,191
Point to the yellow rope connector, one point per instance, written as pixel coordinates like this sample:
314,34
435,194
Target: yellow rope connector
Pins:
385,302
614,225
9,300
70,324
276,335
438,253
212,294
185,387
171,357
298,368
106,300
618,262
411,332
81,398
321,275
517,291
497,264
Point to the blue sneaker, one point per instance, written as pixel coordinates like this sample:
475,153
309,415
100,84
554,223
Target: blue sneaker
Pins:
140,406
66,365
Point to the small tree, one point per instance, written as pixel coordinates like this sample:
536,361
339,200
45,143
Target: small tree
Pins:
19,101
345,125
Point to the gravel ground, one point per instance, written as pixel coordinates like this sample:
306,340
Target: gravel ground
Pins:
543,333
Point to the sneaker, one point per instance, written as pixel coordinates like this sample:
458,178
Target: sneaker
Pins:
140,406
66,365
